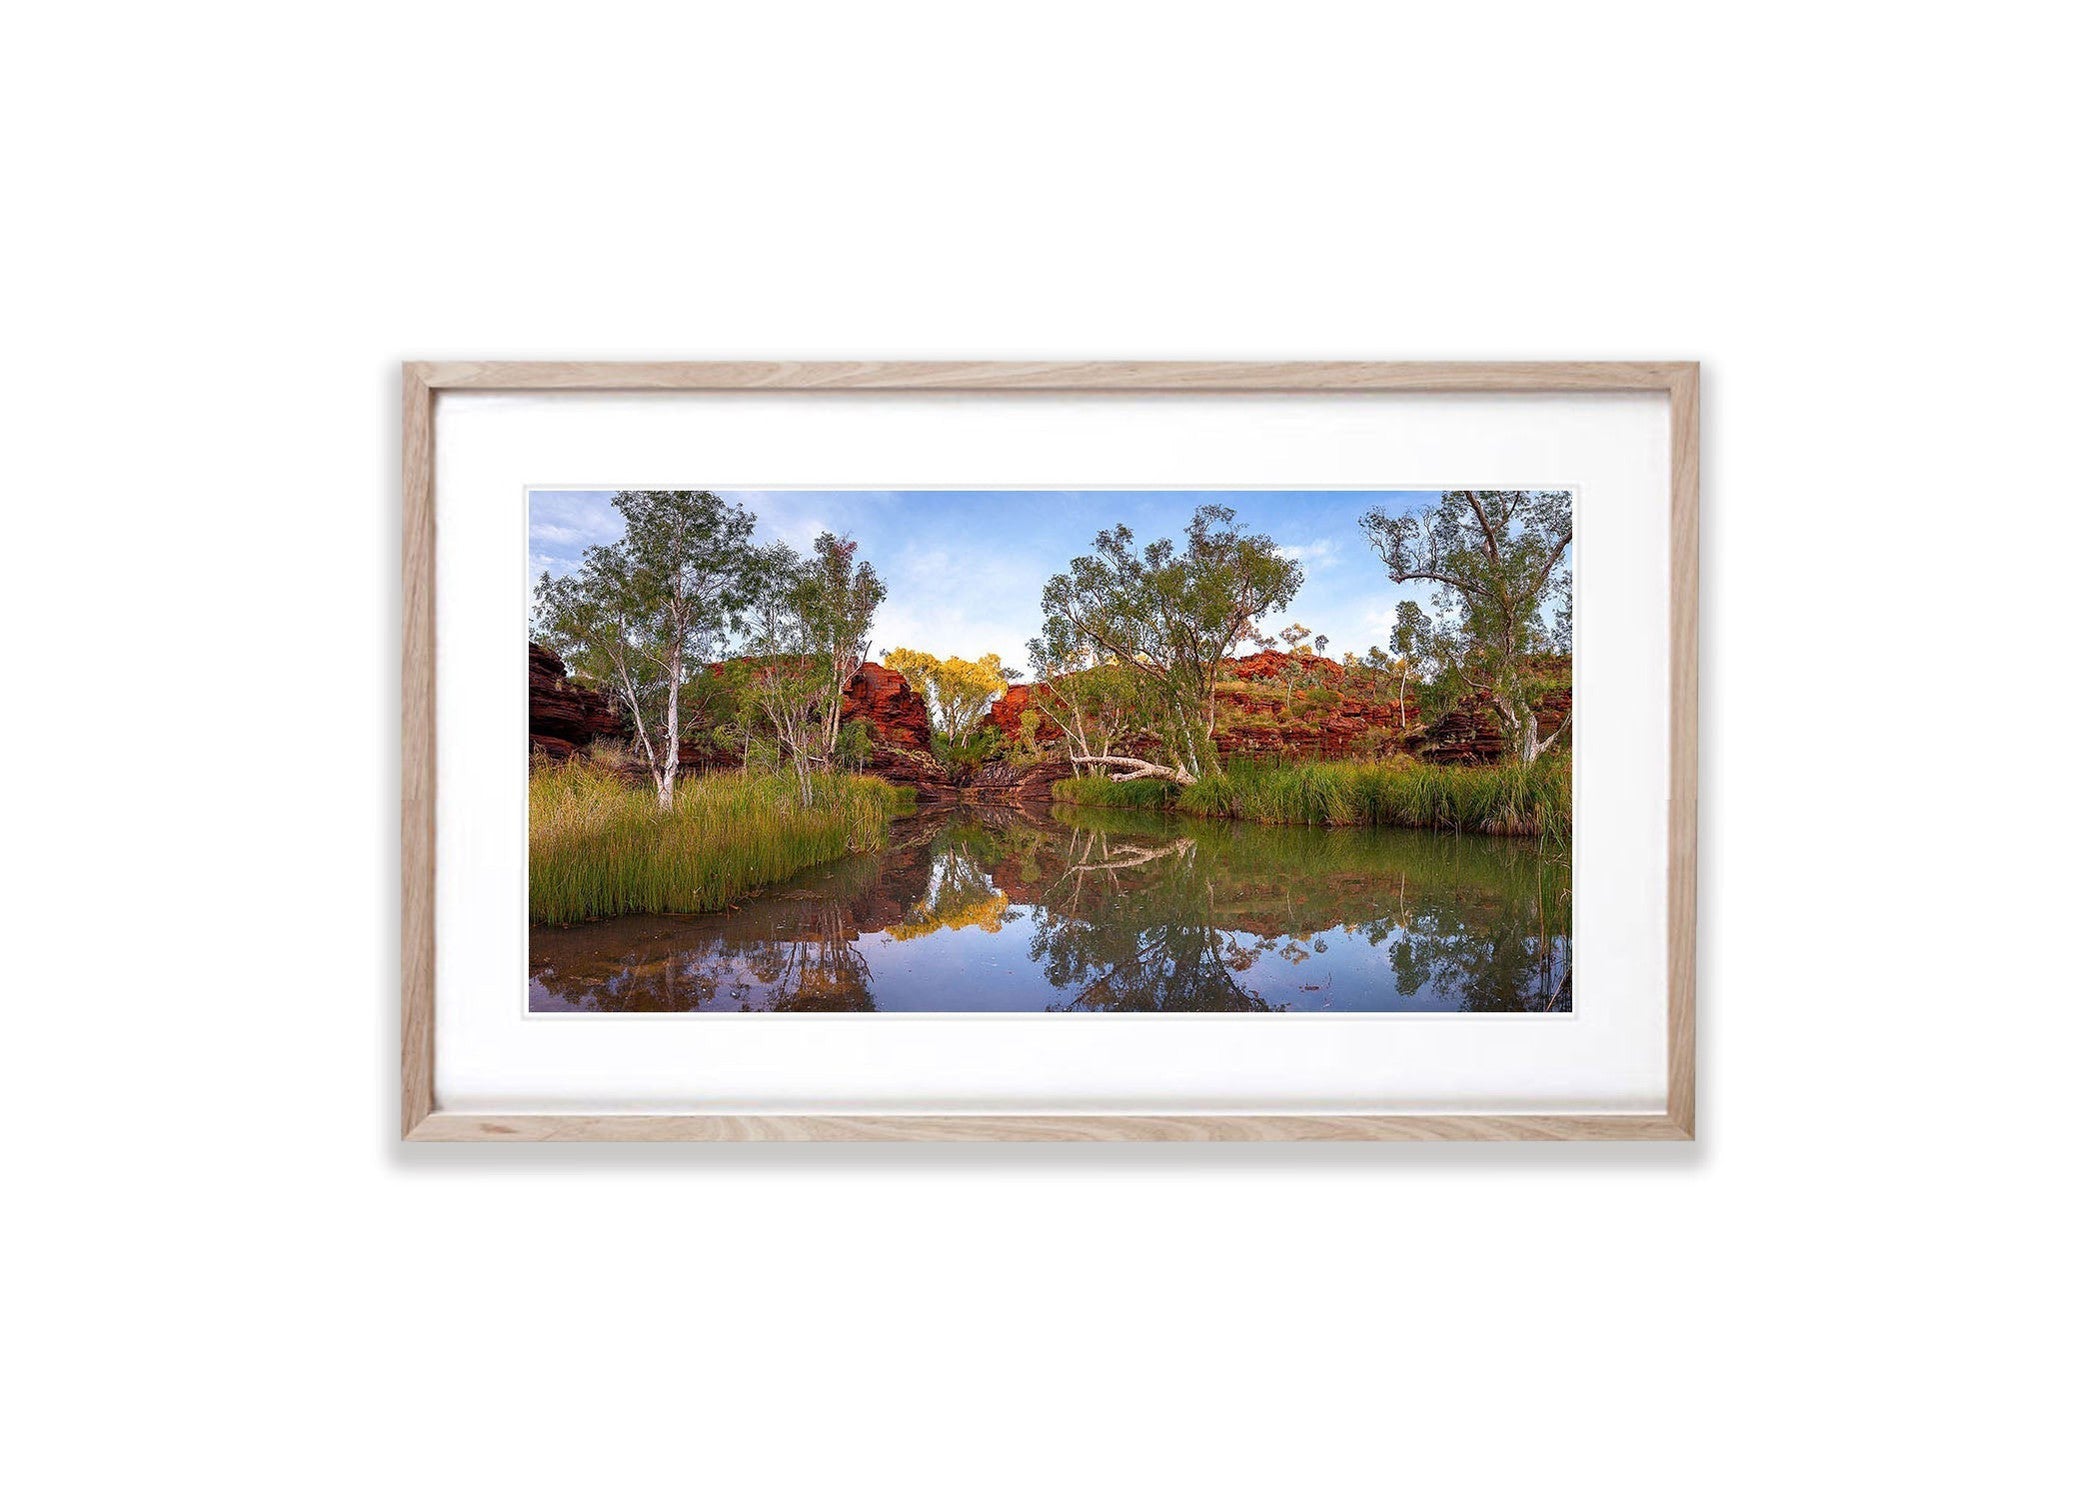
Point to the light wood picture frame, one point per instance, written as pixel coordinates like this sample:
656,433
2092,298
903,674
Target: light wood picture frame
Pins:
422,383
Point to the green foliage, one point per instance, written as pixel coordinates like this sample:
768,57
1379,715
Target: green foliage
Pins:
1082,690
836,602
646,614
1099,791
641,613
1503,593
1535,800
809,619
856,744
971,750
725,697
600,846
1170,618
789,679
957,692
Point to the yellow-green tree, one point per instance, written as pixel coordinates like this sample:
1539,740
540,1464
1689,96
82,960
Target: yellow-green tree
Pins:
957,692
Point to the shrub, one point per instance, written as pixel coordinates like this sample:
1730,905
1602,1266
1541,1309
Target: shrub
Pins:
967,752
856,745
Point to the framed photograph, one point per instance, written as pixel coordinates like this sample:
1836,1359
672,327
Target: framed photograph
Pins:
1116,751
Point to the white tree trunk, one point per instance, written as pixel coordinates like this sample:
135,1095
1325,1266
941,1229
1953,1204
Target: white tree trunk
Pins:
1137,770
1527,737
668,777
1521,725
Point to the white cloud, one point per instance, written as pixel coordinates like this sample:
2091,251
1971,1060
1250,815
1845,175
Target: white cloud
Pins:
1313,554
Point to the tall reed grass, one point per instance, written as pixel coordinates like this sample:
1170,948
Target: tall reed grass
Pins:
1098,791
1533,801
601,847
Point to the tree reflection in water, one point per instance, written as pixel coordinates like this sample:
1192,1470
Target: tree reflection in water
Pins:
1124,912
1135,929
817,971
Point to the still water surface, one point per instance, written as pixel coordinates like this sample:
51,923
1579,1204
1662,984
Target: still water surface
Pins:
976,908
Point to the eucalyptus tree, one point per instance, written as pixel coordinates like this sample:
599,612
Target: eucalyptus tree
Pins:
1300,649
646,612
1503,593
790,677
837,601
1171,618
1081,690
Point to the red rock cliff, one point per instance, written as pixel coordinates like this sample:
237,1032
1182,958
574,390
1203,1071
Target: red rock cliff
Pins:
563,715
1309,707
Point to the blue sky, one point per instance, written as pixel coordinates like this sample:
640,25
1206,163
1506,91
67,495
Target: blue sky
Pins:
965,568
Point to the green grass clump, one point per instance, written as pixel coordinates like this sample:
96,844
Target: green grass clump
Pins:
600,846
1099,791
1531,801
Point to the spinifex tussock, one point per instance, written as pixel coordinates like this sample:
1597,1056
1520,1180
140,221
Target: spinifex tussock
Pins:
600,846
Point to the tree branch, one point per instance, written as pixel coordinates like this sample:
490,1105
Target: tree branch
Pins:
1139,770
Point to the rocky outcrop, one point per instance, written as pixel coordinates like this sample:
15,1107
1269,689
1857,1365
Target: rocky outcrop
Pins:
1000,781
1270,704
914,768
1005,714
563,716
1471,733
1306,707
894,713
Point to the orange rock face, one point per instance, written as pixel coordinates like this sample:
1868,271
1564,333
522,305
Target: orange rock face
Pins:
1005,714
895,714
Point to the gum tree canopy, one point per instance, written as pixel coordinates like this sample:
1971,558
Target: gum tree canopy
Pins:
1171,618
958,692
1498,558
809,622
838,599
645,613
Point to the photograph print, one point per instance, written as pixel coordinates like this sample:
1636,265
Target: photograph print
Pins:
1114,752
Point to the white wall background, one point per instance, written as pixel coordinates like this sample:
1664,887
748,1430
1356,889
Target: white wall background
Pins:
228,223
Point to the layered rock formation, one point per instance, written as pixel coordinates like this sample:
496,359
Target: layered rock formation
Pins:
899,730
564,716
1472,733
1271,704
1021,783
